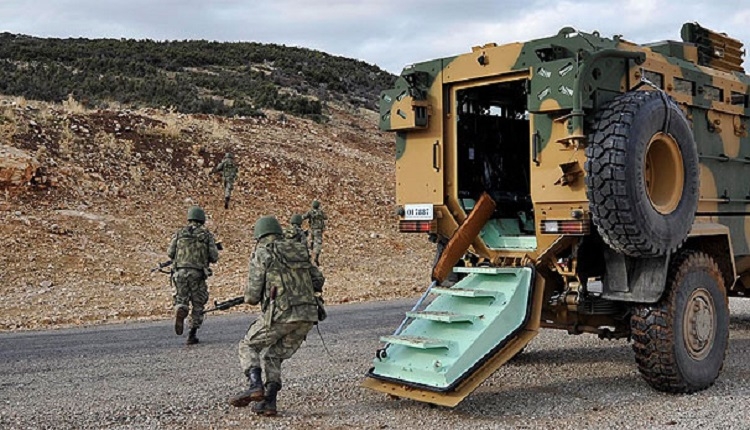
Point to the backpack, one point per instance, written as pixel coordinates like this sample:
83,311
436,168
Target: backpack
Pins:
192,248
292,264
230,170
317,219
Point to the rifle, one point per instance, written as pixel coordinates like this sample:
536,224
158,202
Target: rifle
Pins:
160,267
222,306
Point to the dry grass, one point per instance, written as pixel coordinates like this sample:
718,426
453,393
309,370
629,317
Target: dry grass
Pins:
66,142
73,106
8,124
172,126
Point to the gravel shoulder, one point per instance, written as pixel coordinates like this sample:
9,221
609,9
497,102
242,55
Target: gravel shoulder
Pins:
141,376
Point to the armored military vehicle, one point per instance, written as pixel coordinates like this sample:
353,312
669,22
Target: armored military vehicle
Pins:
573,182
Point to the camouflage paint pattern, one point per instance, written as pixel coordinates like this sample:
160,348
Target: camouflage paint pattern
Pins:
568,77
316,241
268,347
317,219
284,282
282,267
555,87
296,233
192,250
193,246
191,289
228,169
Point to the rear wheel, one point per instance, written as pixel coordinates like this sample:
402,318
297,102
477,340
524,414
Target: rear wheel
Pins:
680,342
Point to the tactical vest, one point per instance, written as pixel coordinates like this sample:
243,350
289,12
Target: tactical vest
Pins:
192,248
316,219
229,170
291,264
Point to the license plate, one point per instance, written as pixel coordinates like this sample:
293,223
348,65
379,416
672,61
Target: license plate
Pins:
418,212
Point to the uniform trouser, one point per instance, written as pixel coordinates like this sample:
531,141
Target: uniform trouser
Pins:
228,186
190,286
267,347
317,240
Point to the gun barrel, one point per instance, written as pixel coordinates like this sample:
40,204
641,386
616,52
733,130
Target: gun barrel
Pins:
227,304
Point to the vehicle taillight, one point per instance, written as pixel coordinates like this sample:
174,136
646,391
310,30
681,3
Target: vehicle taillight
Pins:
409,226
566,226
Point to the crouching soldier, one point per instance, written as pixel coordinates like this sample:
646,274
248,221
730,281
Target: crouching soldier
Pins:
284,282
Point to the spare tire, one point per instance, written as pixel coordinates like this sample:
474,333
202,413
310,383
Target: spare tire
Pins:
642,174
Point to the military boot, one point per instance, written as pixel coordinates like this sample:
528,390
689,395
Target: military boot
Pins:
268,406
254,392
179,319
226,202
192,339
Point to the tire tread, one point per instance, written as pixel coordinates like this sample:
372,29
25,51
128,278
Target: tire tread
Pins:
653,334
606,181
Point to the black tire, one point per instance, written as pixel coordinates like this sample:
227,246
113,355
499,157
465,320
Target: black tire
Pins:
680,342
642,174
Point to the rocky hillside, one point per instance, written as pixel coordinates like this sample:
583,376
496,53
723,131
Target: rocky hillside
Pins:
90,198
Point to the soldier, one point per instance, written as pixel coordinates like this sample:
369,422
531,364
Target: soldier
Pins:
317,219
228,169
284,282
295,231
192,250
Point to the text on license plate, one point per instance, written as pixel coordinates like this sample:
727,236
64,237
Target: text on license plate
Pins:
418,212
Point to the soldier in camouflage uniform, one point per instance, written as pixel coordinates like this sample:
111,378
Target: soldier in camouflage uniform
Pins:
192,250
317,219
284,282
228,169
295,231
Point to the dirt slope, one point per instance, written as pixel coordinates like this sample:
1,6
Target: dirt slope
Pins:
77,244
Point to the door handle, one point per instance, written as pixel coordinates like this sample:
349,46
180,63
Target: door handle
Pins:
435,154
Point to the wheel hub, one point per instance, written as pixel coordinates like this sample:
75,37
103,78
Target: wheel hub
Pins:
664,173
699,324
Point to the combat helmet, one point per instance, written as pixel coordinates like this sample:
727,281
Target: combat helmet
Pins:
266,225
196,213
296,219
228,155
315,204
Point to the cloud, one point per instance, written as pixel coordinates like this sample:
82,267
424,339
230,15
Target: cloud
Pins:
389,33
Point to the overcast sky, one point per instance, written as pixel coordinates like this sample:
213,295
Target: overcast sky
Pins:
388,33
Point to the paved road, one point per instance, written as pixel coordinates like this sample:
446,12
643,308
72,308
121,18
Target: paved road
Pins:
142,376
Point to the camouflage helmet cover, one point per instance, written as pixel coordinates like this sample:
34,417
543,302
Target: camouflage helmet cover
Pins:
266,225
196,213
296,219
228,155
315,204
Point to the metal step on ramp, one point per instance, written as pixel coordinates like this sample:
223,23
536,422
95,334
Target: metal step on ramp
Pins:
447,317
463,327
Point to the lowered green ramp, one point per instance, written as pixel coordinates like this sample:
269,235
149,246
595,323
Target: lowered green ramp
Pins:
462,327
